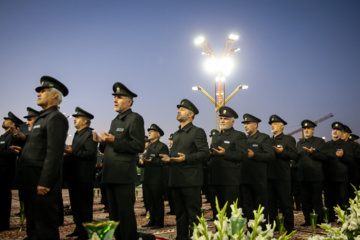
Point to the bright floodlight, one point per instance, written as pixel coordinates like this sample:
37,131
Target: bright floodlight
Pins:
245,87
224,65
233,37
195,88
199,40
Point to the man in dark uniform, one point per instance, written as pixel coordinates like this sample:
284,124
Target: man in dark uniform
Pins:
153,180
189,150
338,154
7,168
229,148
353,173
121,147
42,157
310,171
279,174
253,171
81,172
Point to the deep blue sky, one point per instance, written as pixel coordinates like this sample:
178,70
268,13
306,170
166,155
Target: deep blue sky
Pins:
299,58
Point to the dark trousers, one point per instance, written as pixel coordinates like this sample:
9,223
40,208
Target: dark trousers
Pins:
42,214
5,204
170,199
156,201
254,195
187,206
224,194
146,197
335,194
121,198
104,196
312,200
81,199
279,191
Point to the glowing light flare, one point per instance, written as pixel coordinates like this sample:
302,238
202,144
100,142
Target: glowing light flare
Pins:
244,87
233,37
195,88
199,40
223,65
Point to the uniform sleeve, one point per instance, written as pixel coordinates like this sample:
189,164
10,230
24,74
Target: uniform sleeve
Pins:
87,151
290,151
240,151
56,127
267,154
136,141
201,146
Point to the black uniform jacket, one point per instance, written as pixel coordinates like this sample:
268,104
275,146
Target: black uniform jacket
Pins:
120,157
83,158
42,156
254,170
191,141
335,168
7,157
225,169
154,170
310,164
279,168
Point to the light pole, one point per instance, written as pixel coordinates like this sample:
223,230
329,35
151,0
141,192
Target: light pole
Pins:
222,67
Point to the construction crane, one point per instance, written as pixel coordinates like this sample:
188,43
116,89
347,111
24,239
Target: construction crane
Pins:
316,122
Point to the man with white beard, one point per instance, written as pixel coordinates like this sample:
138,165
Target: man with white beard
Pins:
310,171
229,148
338,154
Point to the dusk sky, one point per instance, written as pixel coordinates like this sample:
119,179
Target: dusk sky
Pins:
300,59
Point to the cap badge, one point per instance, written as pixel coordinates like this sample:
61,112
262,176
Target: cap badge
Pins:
224,111
117,89
51,85
77,112
182,103
42,83
305,124
245,119
336,125
272,119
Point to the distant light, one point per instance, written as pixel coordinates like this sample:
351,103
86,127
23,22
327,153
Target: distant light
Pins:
244,87
195,88
222,79
203,53
324,138
200,40
233,37
236,50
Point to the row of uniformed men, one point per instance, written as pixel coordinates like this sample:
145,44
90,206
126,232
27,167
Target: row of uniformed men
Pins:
233,153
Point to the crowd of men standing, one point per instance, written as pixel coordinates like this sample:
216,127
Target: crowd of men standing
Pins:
253,168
